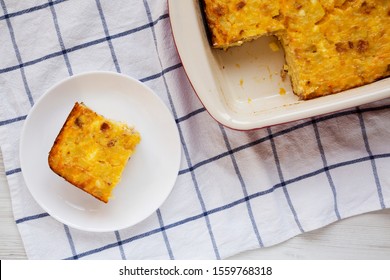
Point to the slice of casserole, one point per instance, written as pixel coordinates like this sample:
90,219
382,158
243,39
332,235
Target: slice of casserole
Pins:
91,151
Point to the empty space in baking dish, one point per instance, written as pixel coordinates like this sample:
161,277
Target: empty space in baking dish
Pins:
251,79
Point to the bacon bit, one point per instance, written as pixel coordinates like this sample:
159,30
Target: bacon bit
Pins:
78,122
341,47
362,46
240,5
365,8
111,143
104,126
219,10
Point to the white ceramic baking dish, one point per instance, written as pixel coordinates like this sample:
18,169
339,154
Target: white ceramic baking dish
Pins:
242,87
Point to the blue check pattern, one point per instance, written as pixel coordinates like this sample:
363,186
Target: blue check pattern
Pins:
235,190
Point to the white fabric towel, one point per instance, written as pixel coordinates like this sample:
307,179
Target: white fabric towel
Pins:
235,190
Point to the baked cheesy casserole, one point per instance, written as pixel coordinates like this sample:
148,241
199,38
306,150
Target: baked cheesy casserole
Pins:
91,151
329,45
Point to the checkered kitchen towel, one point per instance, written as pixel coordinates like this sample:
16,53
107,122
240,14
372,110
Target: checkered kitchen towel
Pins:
235,190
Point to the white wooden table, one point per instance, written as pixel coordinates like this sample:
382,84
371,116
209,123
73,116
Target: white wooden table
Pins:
362,237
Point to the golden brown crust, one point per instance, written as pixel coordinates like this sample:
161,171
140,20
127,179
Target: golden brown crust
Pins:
90,151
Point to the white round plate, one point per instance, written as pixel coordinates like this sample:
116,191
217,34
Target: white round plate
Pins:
149,175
